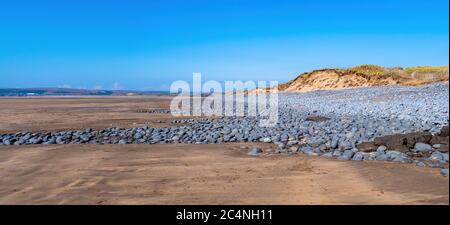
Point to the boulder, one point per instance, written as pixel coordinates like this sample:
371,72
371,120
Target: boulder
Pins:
396,142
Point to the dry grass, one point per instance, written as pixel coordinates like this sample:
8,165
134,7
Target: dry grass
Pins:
367,69
441,70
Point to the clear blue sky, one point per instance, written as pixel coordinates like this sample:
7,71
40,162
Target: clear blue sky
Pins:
145,45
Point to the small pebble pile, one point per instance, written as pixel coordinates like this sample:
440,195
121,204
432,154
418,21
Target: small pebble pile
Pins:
159,111
327,123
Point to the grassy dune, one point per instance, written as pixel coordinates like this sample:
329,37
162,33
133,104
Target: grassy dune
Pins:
371,75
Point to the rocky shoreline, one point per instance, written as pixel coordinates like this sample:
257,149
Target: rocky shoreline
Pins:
390,123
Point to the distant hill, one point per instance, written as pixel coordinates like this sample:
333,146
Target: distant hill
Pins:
365,76
71,92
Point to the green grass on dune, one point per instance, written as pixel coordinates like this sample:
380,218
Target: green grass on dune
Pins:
441,70
367,69
374,70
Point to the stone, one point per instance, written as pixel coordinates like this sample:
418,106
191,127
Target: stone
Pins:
350,135
306,149
382,157
255,152
323,147
437,156
345,145
436,146
280,145
422,147
401,159
337,153
358,156
174,138
444,172
36,141
310,153
393,154
445,157
381,149
369,156
421,164
334,143
59,140
346,155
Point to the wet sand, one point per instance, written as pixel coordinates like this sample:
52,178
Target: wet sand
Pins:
62,113
204,174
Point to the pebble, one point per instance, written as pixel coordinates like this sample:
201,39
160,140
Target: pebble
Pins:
422,147
381,149
255,152
421,164
444,172
346,155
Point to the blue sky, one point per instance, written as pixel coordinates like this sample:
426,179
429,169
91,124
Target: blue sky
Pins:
146,45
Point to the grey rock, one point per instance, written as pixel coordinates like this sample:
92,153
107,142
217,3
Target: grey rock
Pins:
401,159
444,172
334,143
358,156
421,164
422,147
346,155
345,145
369,156
382,157
381,149
445,157
393,154
255,152
437,156
337,153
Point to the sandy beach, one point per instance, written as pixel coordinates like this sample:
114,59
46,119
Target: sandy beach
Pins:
182,173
